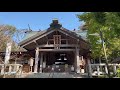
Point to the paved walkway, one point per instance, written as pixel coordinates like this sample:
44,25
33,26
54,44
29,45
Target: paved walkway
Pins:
55,75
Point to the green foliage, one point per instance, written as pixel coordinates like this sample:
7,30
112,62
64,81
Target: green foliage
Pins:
118,72
109,24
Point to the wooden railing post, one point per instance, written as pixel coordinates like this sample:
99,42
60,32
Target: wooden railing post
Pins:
114,69
17,70
106,70
14,67
98,70
10,68
19,73
17,67
2,69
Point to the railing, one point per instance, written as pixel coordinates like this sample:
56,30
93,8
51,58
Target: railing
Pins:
101,69
11,69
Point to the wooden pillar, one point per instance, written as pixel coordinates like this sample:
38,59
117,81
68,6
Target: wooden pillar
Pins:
31,64
83,64
44,63
36,60
74,64
89,68
77,61
41,62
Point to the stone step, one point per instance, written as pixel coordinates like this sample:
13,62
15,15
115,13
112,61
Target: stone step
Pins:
55,75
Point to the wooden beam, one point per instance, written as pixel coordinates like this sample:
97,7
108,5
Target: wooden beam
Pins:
56,49
61,45
65,39
37,38
67,34
61,39
35,42
50,39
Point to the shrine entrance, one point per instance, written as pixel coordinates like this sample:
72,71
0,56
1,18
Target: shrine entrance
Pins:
57,61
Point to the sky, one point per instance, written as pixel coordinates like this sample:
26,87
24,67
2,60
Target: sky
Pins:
40,20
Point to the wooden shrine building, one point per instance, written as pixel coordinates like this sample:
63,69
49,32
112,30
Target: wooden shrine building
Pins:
55,46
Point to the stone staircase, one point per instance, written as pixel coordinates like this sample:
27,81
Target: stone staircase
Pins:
55,75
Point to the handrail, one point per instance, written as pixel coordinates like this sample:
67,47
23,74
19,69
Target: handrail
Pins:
103,65
16,69
10,64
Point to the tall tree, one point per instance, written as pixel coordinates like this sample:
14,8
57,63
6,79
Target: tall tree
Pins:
109,24
6,34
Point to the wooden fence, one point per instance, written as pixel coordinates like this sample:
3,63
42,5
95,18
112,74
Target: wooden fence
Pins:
101,69
11,69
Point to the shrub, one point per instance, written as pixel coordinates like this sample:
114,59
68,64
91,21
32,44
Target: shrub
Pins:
118,72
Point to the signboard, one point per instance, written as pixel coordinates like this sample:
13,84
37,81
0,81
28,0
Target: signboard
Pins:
8,52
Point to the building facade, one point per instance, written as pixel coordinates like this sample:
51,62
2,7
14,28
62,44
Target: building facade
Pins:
56,48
